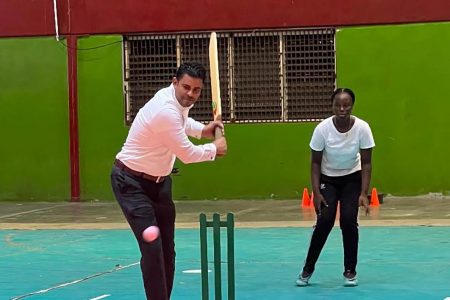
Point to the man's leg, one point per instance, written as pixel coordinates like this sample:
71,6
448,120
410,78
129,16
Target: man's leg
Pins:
133,195
165,213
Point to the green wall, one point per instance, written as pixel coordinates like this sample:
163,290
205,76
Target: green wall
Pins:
264,161
34,120
101,113
401,75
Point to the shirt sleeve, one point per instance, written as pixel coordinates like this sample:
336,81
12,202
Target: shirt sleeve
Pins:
173,135
366,140
194,128
317,140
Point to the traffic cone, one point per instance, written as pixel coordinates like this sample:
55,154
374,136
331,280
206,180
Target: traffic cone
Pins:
306,201
374,201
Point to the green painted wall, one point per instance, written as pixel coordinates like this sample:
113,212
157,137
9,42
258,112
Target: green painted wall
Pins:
264,161
34,120
401,76
101,112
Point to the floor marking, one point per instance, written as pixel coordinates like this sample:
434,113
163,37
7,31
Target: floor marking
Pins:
196,271
117,268
32,211
100,297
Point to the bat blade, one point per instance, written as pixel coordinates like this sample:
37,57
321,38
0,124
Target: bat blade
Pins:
215,81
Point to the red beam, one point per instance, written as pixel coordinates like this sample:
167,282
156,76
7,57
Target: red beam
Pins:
73,119
29,18
26,18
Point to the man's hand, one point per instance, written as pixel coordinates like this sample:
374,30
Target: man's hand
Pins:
208,130
221,145
364,201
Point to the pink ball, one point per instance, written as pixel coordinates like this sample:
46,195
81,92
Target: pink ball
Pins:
150,233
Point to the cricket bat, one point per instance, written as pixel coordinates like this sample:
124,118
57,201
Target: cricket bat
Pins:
215,82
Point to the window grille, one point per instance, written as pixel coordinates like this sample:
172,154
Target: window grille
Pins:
150,63
257,77
310,73
265,76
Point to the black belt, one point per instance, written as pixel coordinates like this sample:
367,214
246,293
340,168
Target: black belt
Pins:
122,166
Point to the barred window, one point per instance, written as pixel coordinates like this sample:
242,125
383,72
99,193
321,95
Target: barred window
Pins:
265,76
149,66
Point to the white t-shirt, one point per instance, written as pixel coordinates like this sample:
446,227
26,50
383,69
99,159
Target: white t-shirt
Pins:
159,134
341,150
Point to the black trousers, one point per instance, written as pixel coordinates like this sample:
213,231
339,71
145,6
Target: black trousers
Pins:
346,190
146,203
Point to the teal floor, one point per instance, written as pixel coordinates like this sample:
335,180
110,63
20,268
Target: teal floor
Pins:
394,263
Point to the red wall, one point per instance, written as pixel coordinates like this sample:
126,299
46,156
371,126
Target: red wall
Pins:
35,18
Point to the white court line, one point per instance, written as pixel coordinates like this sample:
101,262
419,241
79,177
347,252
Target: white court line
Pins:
74,282
100,297
32,211
195,271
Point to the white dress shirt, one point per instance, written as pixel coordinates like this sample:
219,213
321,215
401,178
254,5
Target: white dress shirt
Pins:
159,134
341,150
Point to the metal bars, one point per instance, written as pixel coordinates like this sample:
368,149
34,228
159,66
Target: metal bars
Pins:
150,65
310,73
265,76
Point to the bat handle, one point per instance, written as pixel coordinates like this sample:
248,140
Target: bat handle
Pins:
218,132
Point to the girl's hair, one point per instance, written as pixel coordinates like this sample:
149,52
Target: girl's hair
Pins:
344,90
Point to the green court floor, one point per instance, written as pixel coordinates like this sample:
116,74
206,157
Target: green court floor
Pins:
394,263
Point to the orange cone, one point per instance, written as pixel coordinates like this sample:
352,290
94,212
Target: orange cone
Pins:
306,201
374,201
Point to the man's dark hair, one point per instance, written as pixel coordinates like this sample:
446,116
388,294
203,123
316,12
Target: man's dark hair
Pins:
193,69
344,90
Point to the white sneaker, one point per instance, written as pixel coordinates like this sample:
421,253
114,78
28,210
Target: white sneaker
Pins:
350,278
303,279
